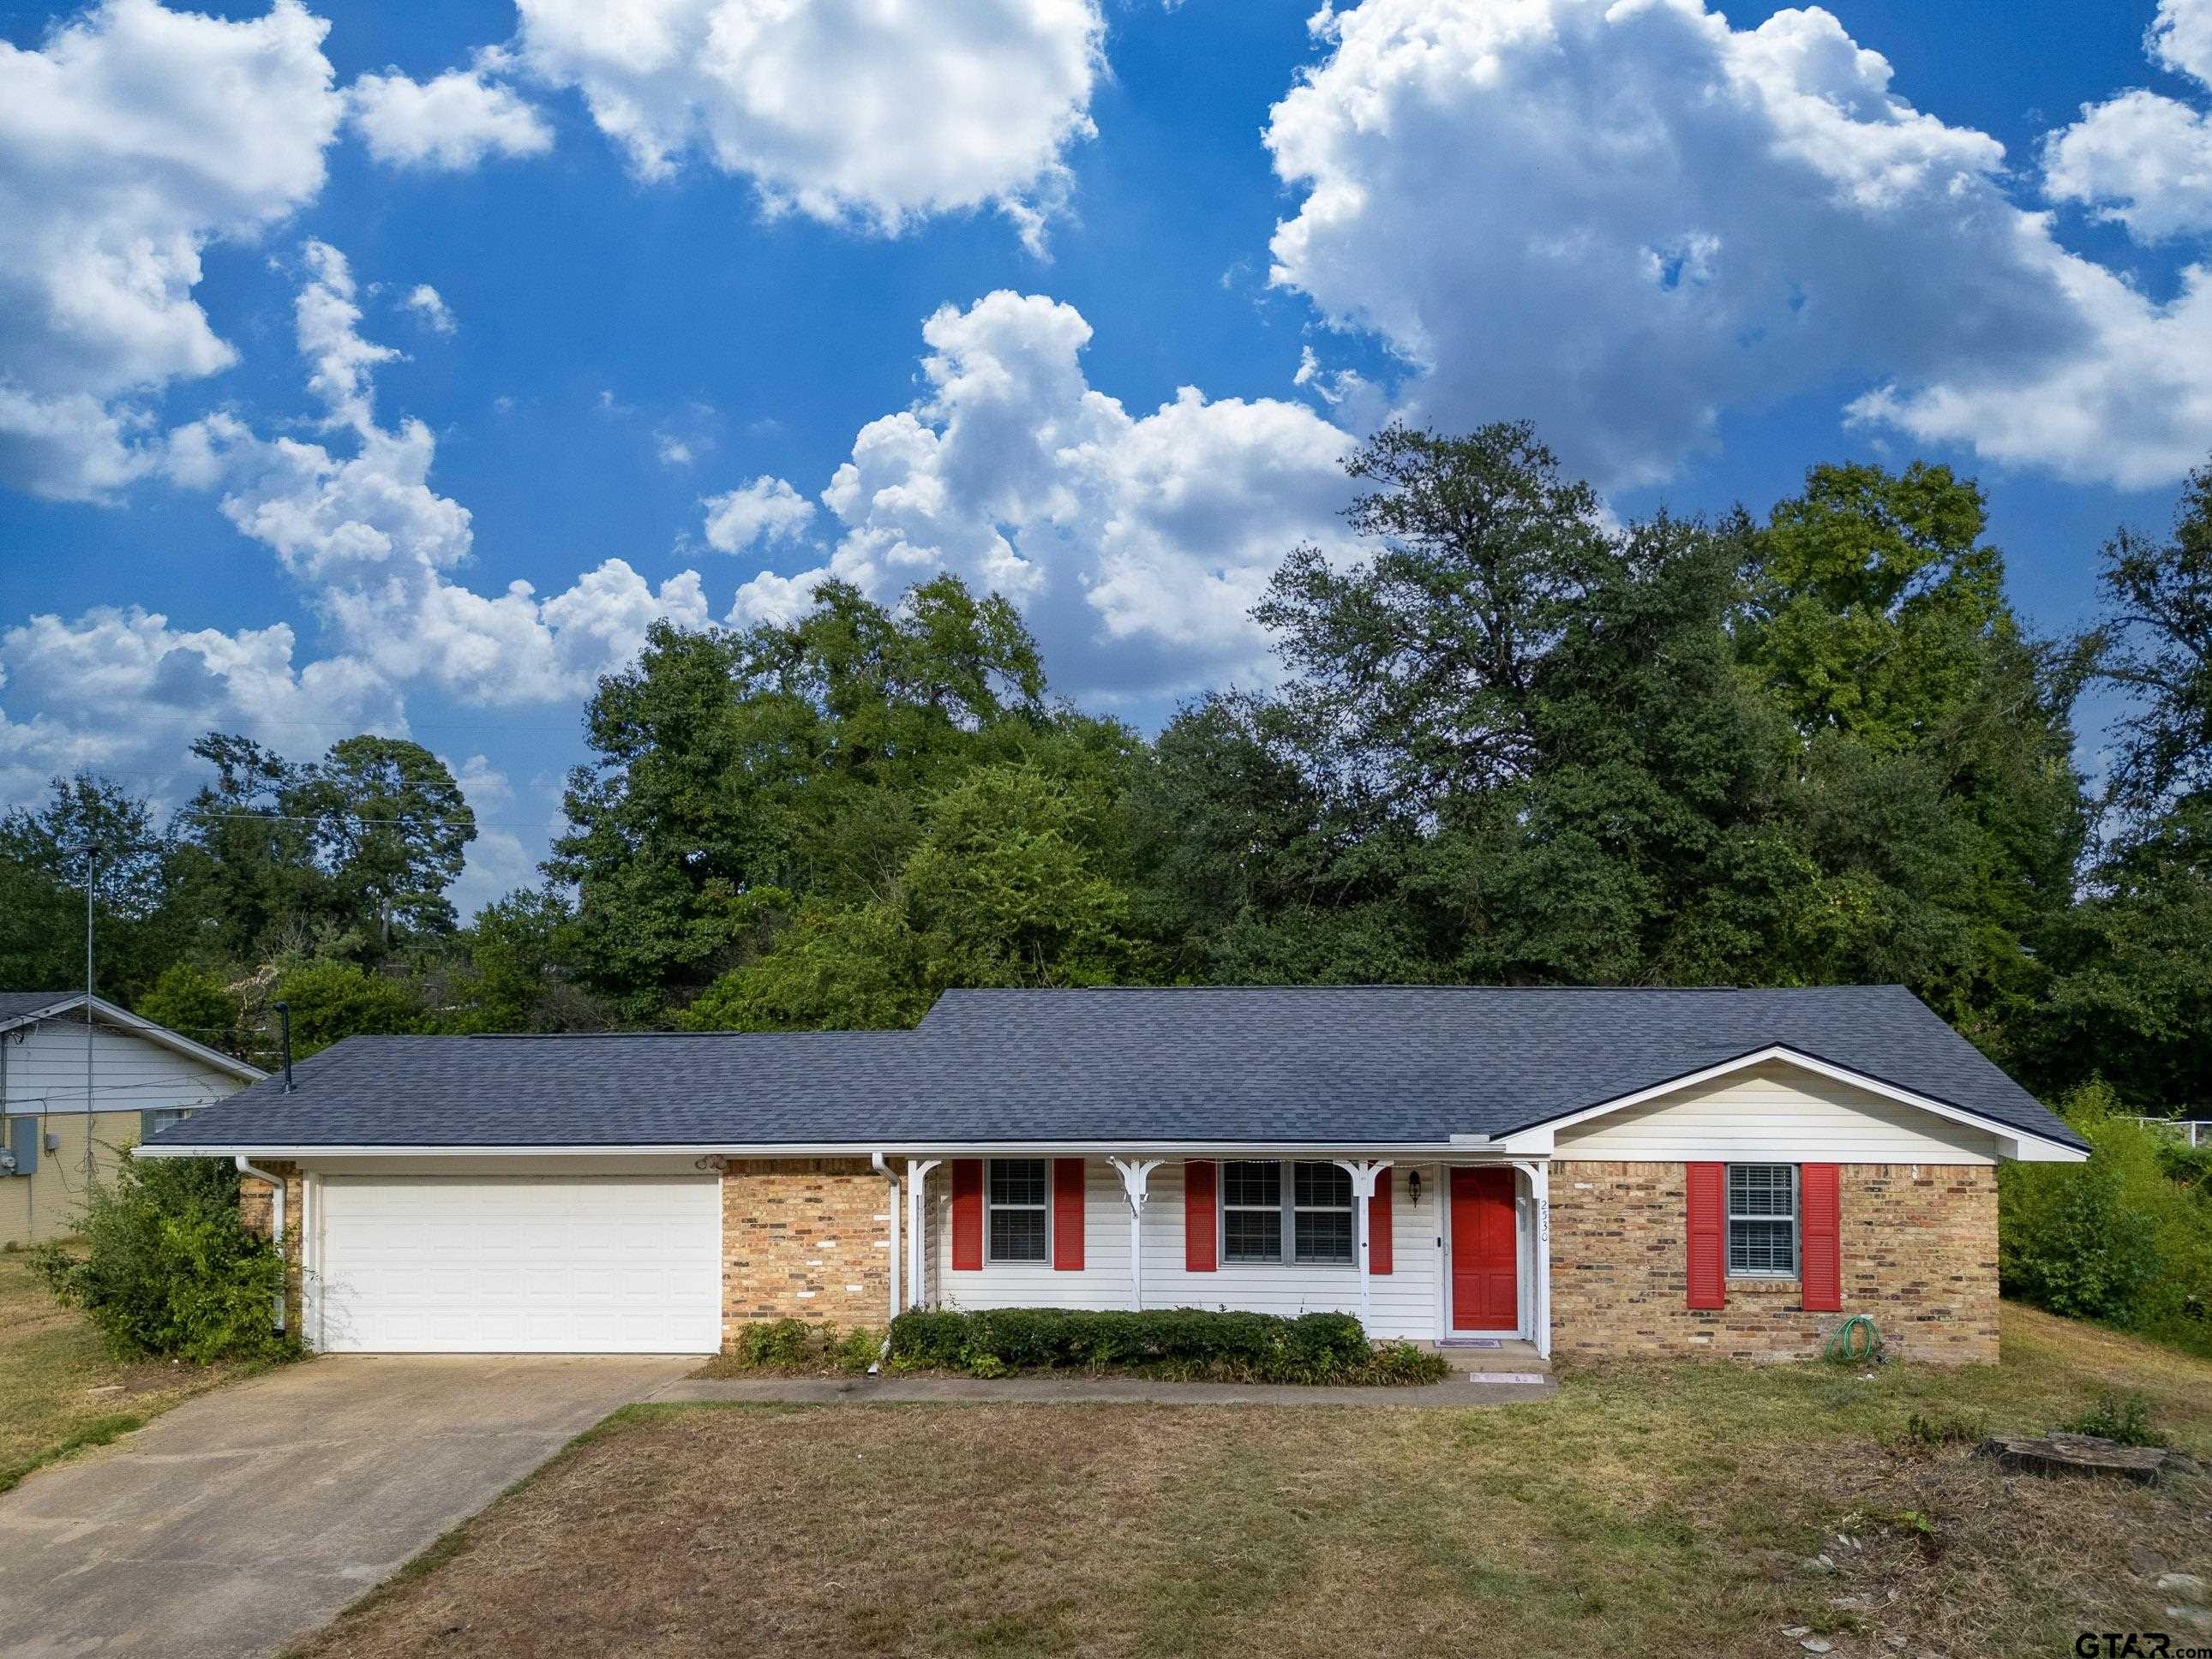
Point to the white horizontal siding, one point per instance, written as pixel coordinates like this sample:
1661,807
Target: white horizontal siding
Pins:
1402,1303
47,1071
1778,1113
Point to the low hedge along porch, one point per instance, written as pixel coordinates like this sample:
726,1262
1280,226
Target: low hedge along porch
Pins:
1183,1342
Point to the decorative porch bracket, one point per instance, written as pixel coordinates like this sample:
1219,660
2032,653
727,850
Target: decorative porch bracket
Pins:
1364,1173
917,1174
1540,1192
1136,1182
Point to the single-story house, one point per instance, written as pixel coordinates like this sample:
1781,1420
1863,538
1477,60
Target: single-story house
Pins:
1672,1171
71,1100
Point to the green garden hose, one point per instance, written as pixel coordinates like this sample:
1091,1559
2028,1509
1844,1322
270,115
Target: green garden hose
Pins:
1844,1346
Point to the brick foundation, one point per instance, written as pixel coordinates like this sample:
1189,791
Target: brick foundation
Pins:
804,1239
1919,1257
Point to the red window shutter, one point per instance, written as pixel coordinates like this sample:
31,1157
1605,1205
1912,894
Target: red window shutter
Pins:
1067,1214
1378,1225
967,1214
1708,1194
1820,1237
1198,1252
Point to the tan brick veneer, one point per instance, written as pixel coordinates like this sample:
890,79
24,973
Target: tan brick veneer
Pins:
804,1239
1919,1257
257,1206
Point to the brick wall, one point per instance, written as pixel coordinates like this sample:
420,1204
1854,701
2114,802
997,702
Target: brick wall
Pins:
1919,1257
257,1208
804,1239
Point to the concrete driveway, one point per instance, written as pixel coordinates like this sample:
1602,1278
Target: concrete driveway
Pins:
250,1515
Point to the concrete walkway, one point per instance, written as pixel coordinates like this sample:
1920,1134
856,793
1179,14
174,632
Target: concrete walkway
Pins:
1459,1392
250,1515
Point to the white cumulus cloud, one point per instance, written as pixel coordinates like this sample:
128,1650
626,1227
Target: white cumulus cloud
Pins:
373,543
452,123
1136,544
765,510
2141,159
1623,218
129,140
877,112
120,692
430,308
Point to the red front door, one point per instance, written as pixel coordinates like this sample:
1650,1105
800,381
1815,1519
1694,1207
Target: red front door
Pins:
1485,1277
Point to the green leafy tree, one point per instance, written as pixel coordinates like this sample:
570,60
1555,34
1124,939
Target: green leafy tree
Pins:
348,855
510,972
331,1001
740,773
195,1000
44,864
1002,891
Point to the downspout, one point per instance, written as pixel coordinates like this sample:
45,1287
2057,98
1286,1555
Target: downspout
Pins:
277,1213
885,1170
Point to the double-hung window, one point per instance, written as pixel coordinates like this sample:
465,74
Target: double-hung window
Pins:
1261,1213
1019,1194
1762,1219
1251,1212
1321,1219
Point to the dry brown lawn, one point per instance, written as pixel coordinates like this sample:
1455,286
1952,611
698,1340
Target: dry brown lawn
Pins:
59,1389
1641,1512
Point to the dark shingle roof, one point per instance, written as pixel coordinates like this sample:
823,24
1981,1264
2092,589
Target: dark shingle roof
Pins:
14,1005
1385,1065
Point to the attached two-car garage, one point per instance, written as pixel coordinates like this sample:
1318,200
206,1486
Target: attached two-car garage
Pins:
517,1264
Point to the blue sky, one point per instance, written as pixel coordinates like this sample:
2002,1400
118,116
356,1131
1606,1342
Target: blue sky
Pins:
678,279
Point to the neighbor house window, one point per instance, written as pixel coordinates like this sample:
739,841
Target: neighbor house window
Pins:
1018,1227
1762,1219
1322,1216
1252,1211
1260,1211
164,1117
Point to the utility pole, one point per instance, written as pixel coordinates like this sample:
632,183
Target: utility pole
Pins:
91,869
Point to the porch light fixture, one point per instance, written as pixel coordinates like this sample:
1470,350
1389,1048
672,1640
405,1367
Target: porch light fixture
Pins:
1414,1186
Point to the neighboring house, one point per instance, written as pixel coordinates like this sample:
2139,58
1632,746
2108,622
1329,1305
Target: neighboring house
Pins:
142,1079
1668,1171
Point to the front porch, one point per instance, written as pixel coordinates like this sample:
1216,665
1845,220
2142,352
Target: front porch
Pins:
1453,1252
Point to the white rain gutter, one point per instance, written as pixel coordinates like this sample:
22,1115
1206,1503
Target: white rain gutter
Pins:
276,1213
885,1170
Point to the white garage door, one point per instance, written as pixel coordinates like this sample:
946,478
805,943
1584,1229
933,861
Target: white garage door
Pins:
526,1264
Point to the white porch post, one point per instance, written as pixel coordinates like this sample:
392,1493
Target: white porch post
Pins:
917,1174
1136,1182
1363,1175
1540,1194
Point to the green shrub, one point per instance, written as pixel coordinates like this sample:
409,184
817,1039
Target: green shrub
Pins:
1317,1348
2126,1238
792,1345
2125,1422
169,1268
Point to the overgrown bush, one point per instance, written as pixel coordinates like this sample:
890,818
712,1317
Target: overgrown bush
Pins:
2125,1422
2126,1238
792,1345
1184,1342
167,1266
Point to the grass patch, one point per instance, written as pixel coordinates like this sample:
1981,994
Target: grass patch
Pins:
1655,1510
60,1389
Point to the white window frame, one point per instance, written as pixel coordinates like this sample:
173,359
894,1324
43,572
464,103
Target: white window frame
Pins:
1793,1217
991,1256
1349,1210
1280,1207
1287,1205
